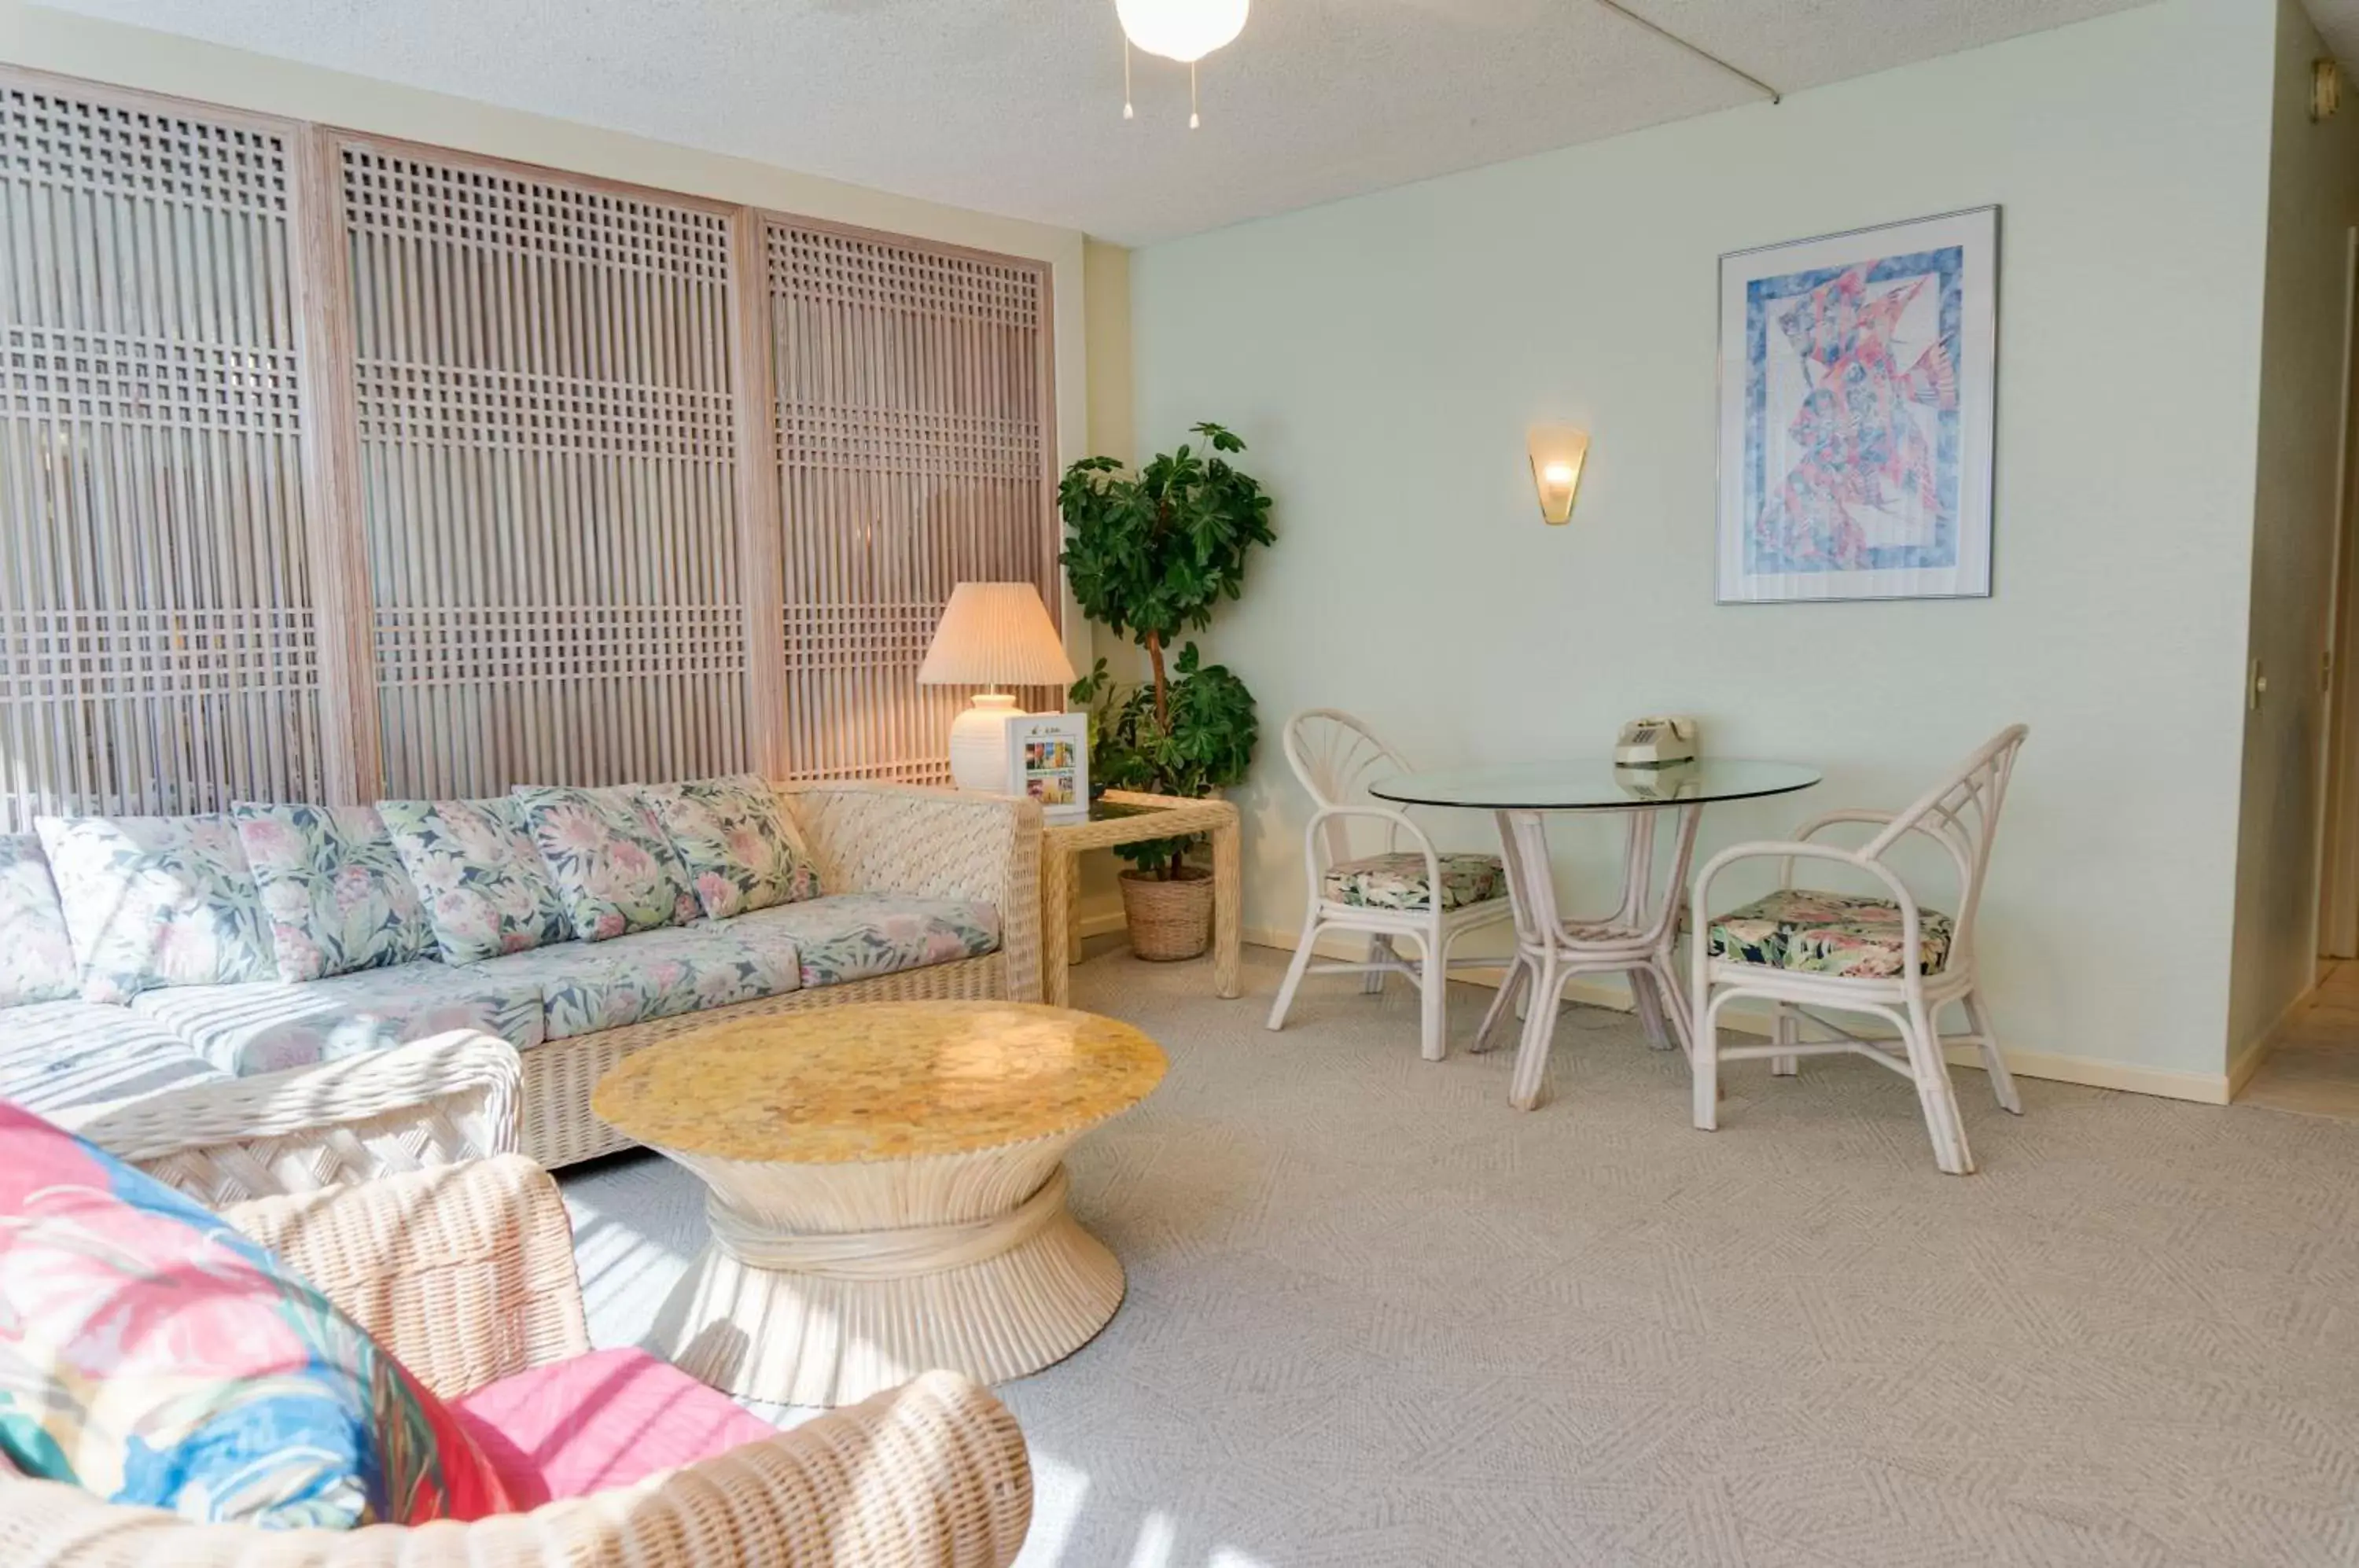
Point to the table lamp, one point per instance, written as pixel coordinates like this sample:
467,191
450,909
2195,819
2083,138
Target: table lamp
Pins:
992,635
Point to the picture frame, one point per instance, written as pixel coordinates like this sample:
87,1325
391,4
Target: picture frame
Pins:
1048,761
1858,400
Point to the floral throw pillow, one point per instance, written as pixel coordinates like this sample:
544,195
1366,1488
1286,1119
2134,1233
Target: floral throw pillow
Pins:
332,889
36,962
152,1355
614,873
739,850
155,902
479,876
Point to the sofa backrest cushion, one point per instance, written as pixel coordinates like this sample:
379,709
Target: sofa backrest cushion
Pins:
475,867
740,849
36,961
154,901
615,871
333,890
157,1357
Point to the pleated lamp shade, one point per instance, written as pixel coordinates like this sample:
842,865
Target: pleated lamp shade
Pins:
992,635
995,633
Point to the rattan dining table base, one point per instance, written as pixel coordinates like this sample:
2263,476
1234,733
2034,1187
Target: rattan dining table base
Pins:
876,1208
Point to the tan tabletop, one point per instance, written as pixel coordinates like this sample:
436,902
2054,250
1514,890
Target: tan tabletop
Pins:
1127,816
885,1081
885,1190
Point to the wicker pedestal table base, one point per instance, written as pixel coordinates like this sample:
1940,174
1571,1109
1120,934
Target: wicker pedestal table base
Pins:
886,1191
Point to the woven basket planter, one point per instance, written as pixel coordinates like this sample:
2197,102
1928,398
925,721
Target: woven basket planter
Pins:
1168,920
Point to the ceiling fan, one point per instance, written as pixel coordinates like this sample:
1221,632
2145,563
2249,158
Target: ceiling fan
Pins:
1184,30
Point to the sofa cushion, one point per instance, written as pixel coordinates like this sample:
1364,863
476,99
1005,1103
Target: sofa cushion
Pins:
58,1055
332,889
585,987
611,1418
484,887
737,843
858,936
36,961
613,870
154,901
268,1027
155,1357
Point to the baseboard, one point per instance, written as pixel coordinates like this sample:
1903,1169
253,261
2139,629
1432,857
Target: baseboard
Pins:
2247,1062
2202,1088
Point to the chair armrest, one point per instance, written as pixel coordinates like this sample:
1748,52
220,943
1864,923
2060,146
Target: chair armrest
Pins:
930,1474
465,1273
934,844
433,1102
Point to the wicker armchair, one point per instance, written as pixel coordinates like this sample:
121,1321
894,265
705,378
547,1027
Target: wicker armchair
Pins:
440,1101
466,1273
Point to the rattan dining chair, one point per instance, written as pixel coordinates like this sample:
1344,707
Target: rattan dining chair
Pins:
1417,891
1888,957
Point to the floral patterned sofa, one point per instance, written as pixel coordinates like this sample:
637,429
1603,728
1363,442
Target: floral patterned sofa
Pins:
149,958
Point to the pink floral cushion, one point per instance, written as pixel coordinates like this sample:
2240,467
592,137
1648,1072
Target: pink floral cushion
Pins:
332,889
152,1355
36,962
486,890
155,901
608,1419
614,869
738,846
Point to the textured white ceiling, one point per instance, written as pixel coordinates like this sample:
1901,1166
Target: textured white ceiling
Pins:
1015,106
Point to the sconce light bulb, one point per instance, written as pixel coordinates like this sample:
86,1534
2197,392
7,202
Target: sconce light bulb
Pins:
1558,474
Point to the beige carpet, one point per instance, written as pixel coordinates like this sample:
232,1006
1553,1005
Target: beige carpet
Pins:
1375,1317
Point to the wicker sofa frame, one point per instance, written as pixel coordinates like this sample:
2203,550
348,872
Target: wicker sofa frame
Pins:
466,1273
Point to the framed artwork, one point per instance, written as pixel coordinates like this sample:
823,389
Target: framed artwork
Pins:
1049,759
1857,402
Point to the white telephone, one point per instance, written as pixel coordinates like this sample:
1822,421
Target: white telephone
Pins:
1656,743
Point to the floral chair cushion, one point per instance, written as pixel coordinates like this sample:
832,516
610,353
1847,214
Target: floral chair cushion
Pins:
857,936
154,901
269,1028
36,961
1398,881
157,1357
614,871
54,1056
740,851
332,889
484,887
1829,933
586,987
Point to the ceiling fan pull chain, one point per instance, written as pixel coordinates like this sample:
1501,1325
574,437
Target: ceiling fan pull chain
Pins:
1127,113
1193,119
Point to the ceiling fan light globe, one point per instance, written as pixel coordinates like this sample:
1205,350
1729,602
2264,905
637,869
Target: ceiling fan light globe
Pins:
1184,30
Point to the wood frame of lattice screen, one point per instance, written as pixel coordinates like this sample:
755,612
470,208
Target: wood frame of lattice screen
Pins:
341,756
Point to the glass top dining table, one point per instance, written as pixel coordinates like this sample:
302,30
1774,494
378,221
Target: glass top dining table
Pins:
1593,784
1638,936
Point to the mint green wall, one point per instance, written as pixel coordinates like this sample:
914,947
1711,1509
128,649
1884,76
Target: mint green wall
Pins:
1384,356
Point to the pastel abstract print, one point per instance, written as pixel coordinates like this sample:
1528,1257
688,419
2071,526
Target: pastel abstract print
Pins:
152,1355
1851,403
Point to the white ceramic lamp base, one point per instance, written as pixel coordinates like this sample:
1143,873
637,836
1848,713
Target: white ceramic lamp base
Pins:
979,742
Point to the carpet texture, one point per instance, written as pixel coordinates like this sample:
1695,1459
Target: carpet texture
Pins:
1377,1317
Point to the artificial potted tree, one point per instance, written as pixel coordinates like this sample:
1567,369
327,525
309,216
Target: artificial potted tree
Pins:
1150,555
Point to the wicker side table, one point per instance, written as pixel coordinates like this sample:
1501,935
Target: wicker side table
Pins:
1134,819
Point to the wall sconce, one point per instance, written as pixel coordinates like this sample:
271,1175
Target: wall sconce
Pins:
1558,452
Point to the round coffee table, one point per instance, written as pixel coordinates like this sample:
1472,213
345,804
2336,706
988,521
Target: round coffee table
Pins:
885,1188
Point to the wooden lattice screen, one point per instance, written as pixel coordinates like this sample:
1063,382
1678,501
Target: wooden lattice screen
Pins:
339,468
158,651
548,461
915,433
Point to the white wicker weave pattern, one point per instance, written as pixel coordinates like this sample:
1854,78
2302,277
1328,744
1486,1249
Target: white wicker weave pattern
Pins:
433,1103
